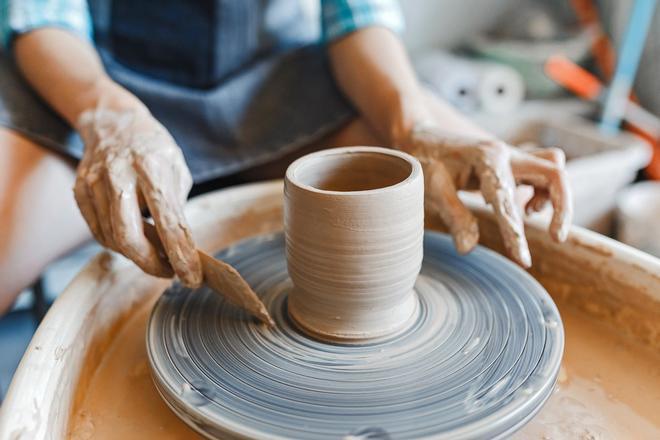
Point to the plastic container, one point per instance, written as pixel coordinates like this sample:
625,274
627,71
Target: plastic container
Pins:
638,217
598,166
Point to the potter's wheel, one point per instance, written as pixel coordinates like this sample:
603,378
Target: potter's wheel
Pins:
479,362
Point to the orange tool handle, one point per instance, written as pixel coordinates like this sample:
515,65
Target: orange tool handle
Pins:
601,46
573,77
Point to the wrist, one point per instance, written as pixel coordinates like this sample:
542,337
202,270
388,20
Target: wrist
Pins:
409,112
105,94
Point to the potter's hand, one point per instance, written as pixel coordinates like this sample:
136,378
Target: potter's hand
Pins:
130,160
452,161
373,70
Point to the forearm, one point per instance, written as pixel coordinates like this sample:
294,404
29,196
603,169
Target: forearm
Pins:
68,74
373,70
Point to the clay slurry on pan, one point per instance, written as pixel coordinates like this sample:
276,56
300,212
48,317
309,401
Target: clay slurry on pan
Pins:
479,361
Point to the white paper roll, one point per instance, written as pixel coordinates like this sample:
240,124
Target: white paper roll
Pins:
456,82
638,216
501,89
471,85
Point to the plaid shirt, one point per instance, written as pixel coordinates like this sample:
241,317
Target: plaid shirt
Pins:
338,17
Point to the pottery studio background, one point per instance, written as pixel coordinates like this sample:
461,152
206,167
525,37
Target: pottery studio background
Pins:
531,72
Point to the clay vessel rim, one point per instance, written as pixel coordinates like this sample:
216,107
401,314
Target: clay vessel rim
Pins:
415,169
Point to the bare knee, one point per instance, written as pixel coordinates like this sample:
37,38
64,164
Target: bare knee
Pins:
38,218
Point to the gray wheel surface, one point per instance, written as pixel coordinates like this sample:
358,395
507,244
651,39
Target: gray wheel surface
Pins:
479,362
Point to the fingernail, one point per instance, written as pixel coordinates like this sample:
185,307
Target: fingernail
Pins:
559,231
461,243
525,258
465,240
192,281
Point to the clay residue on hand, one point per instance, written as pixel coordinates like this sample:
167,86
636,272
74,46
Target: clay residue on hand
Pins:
131,160
454,161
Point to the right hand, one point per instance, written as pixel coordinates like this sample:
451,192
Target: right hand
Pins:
131,160
455,160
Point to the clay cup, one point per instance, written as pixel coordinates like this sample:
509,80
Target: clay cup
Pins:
354,227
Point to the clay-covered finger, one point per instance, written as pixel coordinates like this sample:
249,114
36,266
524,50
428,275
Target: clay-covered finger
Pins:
127,224
552,177
97,189
497,186
537,201
86,206
554,155
171,225
541,195
523,194
558,157
442,199
528,146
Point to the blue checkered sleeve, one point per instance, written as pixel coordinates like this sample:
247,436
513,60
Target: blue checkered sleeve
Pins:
19,16
340,17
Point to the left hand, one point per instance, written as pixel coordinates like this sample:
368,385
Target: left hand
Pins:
454,161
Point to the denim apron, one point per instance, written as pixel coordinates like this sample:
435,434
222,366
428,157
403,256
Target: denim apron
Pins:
238,83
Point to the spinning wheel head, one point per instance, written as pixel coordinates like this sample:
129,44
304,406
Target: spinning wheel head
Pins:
478,360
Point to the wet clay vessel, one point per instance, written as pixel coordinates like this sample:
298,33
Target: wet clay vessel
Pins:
354,225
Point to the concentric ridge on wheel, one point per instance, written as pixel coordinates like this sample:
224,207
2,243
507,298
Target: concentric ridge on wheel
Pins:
479,361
